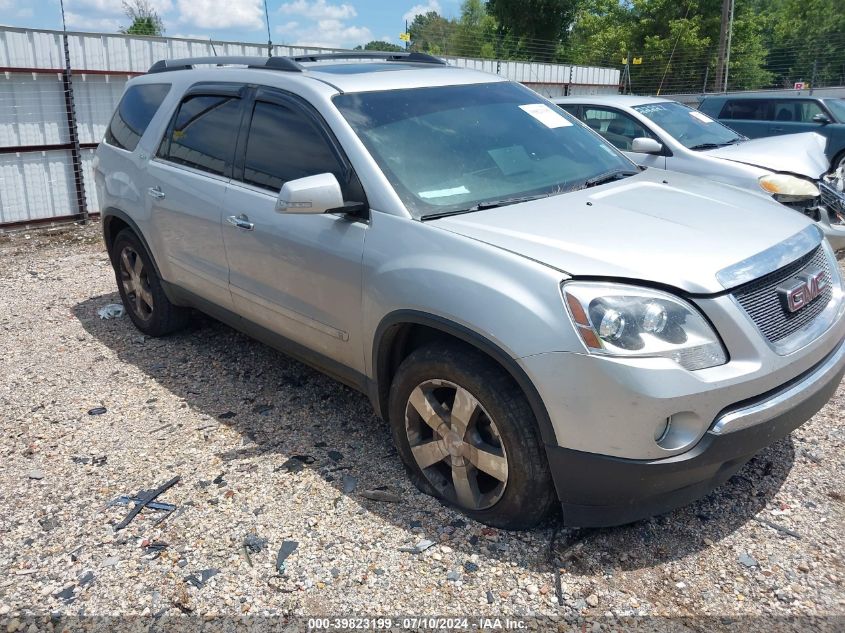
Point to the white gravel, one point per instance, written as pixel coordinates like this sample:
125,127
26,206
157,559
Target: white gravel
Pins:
227,414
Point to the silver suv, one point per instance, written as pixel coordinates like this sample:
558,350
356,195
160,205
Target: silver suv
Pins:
540,321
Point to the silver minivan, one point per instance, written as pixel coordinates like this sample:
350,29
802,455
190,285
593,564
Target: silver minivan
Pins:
540,321
658,132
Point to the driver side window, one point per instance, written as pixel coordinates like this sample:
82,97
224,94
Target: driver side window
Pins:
618,128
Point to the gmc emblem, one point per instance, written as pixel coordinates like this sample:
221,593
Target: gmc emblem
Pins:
801,290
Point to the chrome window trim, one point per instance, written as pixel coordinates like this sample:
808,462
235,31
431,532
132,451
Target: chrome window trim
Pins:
771,259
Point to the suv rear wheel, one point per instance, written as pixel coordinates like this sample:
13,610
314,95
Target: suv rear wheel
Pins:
468,436
140,288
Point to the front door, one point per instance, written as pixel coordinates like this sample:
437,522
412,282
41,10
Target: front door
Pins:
620,130
297,275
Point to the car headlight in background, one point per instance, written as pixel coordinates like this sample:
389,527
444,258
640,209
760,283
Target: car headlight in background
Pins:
620,320
788,188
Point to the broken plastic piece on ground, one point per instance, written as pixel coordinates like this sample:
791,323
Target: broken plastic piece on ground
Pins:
152,505
419,548
349,483
97,411
145,497
287,548
111,311
204,576
255,543
381,495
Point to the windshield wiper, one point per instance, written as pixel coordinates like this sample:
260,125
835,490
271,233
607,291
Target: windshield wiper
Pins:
488,204
610,176
717,145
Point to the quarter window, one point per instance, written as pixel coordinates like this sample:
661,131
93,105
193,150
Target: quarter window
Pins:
203,133
284,144
134,113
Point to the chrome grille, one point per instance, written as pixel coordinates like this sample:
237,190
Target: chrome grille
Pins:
760,298
832,200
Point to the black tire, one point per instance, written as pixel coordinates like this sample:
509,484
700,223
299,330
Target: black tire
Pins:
160,318
528,495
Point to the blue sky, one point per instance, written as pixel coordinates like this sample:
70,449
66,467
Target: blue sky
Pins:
332,23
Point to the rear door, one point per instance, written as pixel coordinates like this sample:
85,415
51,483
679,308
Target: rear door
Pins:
750,117
296,275
189,177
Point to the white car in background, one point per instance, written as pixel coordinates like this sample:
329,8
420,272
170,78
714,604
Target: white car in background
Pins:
657,132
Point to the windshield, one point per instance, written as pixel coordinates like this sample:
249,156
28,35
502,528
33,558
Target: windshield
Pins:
689,127
837,107
456,148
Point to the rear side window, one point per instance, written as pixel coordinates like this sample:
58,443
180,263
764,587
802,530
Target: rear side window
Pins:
745,109
134,113
284,144
203,133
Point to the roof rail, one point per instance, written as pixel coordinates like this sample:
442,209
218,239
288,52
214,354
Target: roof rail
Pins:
272,63
413,57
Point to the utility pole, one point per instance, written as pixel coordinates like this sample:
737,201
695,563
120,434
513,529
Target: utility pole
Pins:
725,32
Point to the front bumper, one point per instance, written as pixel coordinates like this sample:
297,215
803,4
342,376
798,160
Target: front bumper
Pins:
831,215
599,490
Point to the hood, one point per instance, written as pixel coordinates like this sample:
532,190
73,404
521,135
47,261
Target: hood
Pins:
658,226
801,154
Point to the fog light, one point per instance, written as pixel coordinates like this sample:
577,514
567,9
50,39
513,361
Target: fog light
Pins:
662,429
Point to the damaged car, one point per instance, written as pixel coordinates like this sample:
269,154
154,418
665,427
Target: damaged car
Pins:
539,322
657,132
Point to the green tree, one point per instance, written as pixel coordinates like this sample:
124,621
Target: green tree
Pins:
431,33
536,27
677,42
474,35
380,45
144,19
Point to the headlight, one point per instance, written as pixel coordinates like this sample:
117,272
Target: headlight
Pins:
786,188
619,320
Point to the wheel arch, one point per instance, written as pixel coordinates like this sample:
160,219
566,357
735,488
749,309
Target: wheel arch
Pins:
114,221
402,331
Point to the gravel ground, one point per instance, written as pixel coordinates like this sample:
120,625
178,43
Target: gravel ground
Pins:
269,451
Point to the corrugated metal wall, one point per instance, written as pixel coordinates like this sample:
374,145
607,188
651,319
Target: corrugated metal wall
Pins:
37,178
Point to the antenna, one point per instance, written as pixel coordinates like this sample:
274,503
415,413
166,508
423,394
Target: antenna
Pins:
269,39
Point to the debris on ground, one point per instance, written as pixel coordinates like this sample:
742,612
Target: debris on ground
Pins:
35,474
296,463
255,543
350,482
201,577
97,411
747,560
287,548
419,548
145,497
111,311
380,495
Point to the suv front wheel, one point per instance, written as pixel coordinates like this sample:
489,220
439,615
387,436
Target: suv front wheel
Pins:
468,436
140,288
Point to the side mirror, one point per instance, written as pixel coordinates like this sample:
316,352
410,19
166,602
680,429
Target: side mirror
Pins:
643,145
313,194
822,118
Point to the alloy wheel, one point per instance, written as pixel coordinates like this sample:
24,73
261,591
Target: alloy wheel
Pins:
136,283
456,444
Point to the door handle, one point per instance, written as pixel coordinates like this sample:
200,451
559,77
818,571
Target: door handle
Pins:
156,192
777,129
241,221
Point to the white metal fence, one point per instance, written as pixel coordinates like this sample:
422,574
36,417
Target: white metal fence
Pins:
51,119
